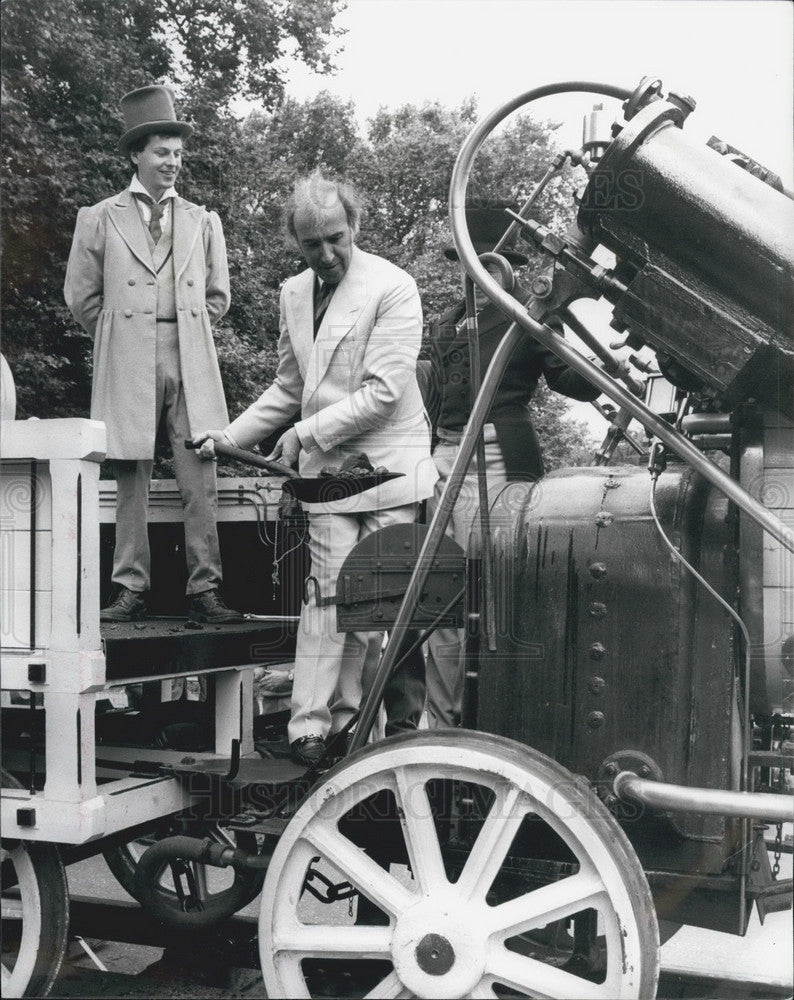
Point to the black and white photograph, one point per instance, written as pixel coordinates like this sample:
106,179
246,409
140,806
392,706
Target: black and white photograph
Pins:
397,499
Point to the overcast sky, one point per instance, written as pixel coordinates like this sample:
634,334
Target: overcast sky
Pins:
735,58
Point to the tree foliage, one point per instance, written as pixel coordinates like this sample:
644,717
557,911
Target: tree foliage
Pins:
66,63
406,171
564,440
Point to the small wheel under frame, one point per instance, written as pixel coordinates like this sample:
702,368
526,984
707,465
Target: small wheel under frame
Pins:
188,894
35,908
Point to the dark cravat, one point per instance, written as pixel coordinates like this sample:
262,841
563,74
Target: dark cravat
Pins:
322,296
157,209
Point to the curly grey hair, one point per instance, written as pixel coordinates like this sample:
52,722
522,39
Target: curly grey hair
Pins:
315,194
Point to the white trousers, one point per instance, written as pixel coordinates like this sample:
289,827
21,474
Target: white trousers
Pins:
326,690
445,662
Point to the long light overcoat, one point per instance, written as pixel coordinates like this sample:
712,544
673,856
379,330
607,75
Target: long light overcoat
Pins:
111,290
354,385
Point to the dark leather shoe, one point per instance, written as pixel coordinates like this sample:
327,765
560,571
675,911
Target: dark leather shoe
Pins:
340,745
127,606
307,750
208,606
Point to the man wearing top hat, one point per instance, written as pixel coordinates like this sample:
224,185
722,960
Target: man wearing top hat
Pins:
512,450
147,277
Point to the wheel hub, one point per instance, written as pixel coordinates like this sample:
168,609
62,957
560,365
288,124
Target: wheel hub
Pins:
435,955
437,949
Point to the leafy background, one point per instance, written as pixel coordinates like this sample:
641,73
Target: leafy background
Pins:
66,63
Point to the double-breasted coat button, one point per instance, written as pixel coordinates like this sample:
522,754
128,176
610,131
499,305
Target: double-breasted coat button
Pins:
194,312
128,313
190,282
131,281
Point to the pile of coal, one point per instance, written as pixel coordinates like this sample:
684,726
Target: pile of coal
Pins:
354,467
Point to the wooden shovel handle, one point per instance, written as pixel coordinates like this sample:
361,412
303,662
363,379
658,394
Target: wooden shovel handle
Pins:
248,456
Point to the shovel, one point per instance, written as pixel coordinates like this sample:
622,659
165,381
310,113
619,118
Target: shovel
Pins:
319,489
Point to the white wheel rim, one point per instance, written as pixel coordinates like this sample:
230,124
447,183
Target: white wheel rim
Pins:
17,974
456,912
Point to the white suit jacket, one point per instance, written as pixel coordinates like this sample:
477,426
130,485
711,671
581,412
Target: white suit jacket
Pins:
354,386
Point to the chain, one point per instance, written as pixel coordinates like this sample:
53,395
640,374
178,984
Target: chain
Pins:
778,850
190,902
783,733
330,892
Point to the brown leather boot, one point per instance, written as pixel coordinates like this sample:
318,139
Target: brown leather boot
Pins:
127,606
208,606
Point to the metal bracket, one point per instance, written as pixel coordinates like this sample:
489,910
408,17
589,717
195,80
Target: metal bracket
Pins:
374,577
770,895
319,600
624,760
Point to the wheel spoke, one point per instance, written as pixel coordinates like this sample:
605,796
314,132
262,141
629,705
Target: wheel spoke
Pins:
12,909
541,980
483,989
389,988
421,837
200,877
360,870
334,940
607,878
551,902
493,842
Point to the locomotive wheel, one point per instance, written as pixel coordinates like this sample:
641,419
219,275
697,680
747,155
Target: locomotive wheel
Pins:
460,920
35,915
213,894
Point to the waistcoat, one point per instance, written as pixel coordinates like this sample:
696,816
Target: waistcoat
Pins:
163,260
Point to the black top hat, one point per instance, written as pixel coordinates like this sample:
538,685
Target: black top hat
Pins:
148,110
487,224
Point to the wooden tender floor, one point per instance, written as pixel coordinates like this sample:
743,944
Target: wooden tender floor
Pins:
174,646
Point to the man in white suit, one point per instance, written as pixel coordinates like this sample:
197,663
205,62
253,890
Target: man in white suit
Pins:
351,328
